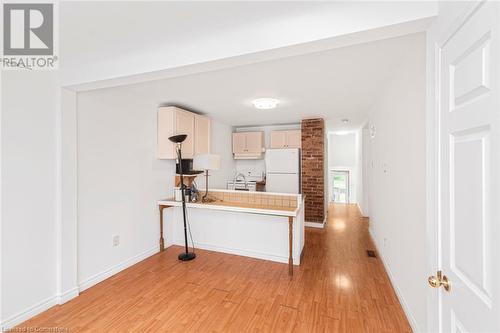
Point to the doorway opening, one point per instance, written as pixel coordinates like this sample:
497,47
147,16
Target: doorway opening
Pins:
340,186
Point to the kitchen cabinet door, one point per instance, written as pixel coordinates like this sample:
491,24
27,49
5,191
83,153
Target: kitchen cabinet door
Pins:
184,124
239,143
201,135
294,139
278,139
254,142
165,129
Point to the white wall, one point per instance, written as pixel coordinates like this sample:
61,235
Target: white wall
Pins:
397,197
28,139
342,149
222,145
363,185
120,180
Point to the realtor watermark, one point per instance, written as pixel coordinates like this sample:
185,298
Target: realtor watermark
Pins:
29,36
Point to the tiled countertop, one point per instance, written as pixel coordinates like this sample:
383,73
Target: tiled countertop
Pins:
237,207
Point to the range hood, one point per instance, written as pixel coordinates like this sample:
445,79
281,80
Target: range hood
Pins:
248,156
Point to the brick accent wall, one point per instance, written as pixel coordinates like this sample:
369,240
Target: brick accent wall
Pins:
313,169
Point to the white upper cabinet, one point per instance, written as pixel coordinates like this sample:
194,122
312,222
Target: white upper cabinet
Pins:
184,124
278,139
286,139
201,134
294,139
173,121
239,143
255,142
248,145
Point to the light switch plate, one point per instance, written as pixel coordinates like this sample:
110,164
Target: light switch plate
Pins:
116,240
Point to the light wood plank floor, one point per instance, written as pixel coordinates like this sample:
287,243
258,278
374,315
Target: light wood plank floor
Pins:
338,288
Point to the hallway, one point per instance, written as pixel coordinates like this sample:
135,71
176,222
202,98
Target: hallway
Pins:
337,288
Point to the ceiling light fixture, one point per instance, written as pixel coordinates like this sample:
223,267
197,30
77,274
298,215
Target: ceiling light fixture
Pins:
265,103
345,120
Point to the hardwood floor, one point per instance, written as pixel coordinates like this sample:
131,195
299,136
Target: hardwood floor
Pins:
338,288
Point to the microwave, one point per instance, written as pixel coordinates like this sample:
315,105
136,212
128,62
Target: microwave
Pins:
187,167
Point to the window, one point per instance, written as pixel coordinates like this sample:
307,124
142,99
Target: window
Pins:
341,186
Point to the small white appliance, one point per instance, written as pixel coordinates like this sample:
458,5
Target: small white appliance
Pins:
283,170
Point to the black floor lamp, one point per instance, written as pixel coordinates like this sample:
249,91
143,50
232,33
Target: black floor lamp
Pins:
178,139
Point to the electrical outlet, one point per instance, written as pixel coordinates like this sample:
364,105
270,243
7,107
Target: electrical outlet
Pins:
116,240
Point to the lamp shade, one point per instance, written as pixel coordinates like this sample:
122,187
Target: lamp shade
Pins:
206,162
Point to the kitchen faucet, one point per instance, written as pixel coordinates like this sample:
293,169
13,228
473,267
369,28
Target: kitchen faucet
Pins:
238,176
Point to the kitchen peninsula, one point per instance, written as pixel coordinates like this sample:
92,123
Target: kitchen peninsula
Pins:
266,226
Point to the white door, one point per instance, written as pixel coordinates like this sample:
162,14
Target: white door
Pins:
282,183
469,251
282,161
340,186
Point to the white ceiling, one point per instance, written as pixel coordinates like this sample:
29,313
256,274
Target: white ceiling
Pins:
334,84
109,39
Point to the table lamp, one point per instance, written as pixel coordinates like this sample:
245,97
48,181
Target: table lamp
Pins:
206,162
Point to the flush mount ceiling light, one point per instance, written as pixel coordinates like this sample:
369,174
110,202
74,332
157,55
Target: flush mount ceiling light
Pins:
265,103
345,120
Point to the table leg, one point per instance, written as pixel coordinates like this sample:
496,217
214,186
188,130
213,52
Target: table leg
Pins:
162,242
290,245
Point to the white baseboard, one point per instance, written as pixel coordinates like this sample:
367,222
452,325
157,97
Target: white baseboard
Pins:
317,224
28,313
314,225
68,295
361,210
99,277
402,301
244,253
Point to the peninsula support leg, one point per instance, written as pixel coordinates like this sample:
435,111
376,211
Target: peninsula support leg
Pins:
162,242
290,246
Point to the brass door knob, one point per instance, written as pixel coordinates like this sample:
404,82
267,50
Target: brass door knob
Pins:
439,280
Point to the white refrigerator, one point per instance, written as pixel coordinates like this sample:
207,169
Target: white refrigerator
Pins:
283,170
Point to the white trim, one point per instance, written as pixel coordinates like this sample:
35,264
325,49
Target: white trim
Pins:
29,313
402,301
68,192
315,224
99,277
58,192
244,253
1,200
360,210
68,295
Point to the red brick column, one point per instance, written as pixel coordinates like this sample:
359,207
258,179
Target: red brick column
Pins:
313,169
